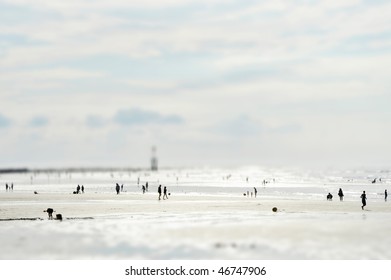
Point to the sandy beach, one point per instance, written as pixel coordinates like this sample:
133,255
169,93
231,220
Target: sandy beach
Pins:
190,226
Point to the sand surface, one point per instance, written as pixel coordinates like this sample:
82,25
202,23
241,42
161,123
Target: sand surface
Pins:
191,226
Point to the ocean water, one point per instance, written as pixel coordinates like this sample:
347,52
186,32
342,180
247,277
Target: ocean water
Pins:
280,183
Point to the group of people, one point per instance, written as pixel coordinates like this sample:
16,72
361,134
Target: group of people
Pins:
145,188
79,189
363,197
9,187
159,190
119,188
252,193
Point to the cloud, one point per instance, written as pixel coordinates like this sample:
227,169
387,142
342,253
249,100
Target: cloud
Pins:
95,121
136,116
239,126
4,121
39,121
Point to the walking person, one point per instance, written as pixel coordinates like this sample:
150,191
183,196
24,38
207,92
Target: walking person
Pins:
255,192
117,188
340,194
385,195
159,190
363,200
165,193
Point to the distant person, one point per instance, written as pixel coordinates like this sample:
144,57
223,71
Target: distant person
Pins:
340,194
146,186
117,188
159,190
363,200
255,192
329,197
385,195
12,186
50,213
122,187
82,188
6,187
165,193
374,181
143,189
78,189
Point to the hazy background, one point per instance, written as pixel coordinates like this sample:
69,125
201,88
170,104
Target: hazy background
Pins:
216,82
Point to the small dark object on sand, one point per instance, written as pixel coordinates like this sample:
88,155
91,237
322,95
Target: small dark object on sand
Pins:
59,217
35,192
274,209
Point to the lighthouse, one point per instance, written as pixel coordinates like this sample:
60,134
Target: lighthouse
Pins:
154,159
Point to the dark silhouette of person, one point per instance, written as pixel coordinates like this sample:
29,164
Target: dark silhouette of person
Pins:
12,186
329,196
159,190
165,193
50,213
78,189
340,194
255,192
146,186
122,187
82,188
6,187
385,195
143,189
117,188
363,200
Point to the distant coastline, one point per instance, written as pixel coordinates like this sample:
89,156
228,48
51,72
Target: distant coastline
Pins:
70,170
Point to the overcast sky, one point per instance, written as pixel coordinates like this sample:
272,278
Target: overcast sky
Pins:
208,82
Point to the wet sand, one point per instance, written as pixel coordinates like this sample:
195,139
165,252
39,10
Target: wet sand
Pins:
192,226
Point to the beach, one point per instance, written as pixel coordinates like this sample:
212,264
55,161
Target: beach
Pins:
195,222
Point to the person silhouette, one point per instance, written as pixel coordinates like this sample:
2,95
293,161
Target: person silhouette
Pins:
50,213
117,188
363,200
385,195
159,190
329,197
255,192
340,194
165,193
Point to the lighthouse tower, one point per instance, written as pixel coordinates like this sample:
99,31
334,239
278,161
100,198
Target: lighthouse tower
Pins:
154,159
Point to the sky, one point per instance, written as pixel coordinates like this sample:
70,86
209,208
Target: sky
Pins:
93,83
